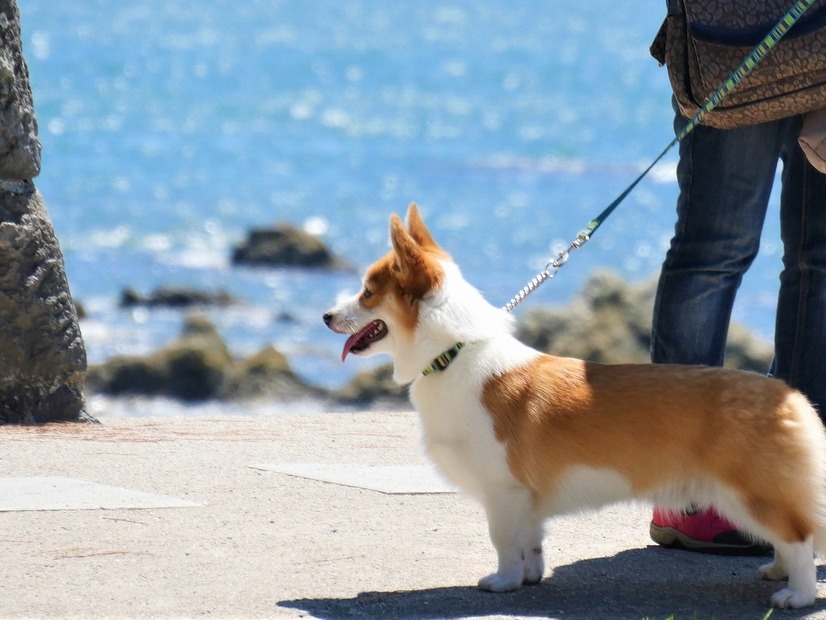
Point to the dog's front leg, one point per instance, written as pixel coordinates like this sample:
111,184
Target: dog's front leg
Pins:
516,534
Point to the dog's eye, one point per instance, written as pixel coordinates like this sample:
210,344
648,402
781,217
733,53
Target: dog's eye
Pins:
367,294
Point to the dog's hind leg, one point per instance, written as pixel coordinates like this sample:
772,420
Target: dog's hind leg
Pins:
797,558
791,532
516,534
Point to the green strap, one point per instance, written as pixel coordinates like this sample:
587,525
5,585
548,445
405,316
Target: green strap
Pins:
752,60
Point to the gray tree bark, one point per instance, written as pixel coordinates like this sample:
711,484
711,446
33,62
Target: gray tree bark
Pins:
42,355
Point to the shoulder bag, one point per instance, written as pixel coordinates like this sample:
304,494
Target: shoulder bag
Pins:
701,42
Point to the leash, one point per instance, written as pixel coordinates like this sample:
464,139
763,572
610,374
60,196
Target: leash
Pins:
751,61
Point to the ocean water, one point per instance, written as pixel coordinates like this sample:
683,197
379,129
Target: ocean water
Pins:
170,129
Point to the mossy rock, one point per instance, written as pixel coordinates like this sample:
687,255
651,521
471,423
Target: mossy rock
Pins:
192,368
610,322
197,367
371,387
267,374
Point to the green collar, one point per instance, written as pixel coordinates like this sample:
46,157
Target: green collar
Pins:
443,361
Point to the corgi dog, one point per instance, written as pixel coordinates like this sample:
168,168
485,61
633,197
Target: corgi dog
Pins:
531,435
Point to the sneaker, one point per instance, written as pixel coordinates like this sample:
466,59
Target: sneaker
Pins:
704,531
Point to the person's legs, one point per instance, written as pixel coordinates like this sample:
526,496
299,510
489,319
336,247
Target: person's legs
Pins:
800,331
725,180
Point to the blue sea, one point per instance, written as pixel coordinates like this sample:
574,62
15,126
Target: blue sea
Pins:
171,128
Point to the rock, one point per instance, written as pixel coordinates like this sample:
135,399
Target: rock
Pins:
19,143
198,367
267,374
610,322
191,368
175,297
197,325
747,352
373,387
284,246
41,349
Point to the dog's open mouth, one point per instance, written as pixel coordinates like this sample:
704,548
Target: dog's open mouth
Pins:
362,340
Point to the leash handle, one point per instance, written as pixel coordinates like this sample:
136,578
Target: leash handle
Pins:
762,49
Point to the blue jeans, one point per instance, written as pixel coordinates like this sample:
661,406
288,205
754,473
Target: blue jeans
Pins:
725,179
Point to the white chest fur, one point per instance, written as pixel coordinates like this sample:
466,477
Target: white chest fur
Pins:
458,431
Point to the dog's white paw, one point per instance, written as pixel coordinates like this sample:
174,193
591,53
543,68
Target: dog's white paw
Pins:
791,599
534,566
501,582
773,571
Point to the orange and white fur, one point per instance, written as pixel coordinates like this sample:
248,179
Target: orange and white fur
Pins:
531,435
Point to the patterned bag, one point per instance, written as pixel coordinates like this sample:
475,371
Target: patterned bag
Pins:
702,42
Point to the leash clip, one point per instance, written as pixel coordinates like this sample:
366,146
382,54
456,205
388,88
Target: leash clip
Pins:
559,262
550,270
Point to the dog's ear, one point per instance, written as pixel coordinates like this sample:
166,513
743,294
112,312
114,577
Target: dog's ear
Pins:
415,267
417,228
407,249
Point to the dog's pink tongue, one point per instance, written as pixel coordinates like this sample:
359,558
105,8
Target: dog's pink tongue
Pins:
351,342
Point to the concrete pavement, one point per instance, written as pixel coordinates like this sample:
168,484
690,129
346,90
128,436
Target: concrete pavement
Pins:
316,515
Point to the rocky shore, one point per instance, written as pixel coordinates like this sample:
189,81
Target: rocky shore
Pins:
609,322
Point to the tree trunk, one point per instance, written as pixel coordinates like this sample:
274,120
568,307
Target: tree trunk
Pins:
42,356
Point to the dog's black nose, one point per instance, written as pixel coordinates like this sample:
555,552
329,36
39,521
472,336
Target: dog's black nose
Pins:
327,318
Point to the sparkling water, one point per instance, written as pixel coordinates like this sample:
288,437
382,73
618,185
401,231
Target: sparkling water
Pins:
170,129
